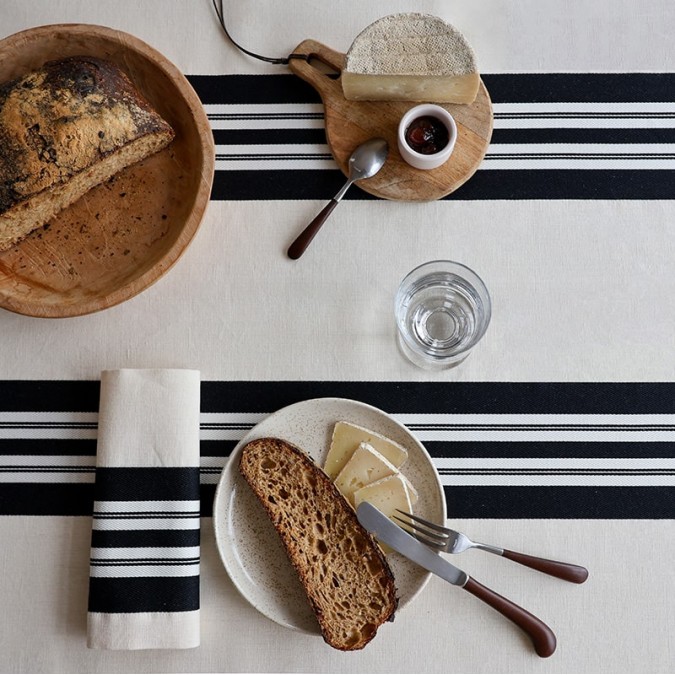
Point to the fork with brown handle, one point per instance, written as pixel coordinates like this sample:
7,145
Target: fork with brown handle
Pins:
451,541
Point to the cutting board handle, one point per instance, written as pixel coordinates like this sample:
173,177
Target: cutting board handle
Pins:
310,70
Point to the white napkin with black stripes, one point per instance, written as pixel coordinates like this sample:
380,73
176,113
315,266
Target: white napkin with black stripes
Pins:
144,573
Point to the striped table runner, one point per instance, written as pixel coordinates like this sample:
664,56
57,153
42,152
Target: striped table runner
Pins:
503,450
556,136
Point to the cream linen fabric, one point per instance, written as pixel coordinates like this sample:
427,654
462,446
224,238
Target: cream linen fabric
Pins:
149,418
582,291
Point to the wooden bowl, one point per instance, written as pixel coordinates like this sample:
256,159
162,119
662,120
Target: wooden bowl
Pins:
123,235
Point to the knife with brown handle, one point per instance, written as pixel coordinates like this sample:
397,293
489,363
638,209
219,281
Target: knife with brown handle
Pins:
387,532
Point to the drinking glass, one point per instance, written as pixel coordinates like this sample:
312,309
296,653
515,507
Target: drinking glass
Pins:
442,310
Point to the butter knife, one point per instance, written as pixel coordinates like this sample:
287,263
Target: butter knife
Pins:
387,532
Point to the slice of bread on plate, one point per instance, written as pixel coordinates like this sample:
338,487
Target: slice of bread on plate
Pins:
345,575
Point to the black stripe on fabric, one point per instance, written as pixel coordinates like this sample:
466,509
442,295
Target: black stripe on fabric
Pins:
217,448
394,397
149,515
134,562
559,502
142,538
579,502
252,185
576,155
46,499
15,468
580,87
208,494
449,397
143,483
514,184
550,449
268,136
503,88
299,156
253,89
609,136
499,136
48,446
48,425
493,184
143,594
481,471
49,395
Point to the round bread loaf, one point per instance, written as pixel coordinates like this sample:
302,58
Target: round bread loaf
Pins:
64,129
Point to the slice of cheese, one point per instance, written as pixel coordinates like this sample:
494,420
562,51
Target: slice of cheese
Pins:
347,437
411,57
412,492
365,466
387,494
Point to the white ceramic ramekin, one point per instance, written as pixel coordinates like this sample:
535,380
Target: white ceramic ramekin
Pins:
417,159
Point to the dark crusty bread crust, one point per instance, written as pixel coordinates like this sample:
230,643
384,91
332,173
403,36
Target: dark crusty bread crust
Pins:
345,575
65,128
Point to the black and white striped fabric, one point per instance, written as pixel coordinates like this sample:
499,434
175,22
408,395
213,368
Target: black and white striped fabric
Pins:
556,136
145,554
503,450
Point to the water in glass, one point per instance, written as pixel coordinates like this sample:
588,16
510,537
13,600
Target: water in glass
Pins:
442,310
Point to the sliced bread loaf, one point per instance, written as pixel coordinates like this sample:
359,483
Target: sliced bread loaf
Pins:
64,129
345,575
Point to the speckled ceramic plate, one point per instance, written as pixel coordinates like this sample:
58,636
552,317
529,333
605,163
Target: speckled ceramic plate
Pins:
250,547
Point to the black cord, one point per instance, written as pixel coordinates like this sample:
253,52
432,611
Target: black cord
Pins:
218,7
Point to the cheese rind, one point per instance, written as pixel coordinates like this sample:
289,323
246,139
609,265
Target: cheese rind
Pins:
411,57
347,437
365,466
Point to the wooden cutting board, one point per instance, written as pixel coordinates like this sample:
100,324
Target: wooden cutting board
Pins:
350,123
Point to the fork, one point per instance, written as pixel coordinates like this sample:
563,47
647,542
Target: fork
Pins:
451,541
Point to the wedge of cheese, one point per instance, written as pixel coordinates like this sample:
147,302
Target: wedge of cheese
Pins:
413,495
365,466
347,437
387,494
411,57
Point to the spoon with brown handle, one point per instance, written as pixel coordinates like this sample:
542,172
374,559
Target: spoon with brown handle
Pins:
365,161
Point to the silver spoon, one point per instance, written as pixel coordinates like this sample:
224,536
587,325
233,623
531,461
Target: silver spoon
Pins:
364,162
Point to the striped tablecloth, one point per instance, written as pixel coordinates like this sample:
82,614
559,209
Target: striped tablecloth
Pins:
556,437
556,136
525,450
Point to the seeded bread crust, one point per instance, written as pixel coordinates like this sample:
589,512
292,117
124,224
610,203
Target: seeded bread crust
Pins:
346,577
64,129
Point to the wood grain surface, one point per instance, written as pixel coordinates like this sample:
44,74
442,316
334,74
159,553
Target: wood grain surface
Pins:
349,123
123,235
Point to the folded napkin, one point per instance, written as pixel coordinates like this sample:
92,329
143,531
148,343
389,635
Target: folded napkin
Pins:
144,574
